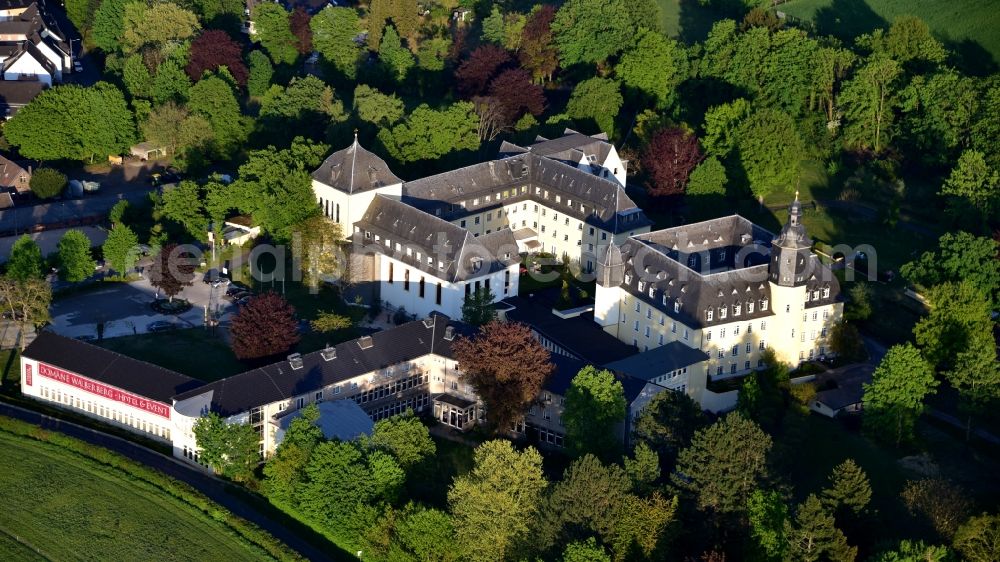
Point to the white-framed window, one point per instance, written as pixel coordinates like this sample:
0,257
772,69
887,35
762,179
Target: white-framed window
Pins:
709,314
723,312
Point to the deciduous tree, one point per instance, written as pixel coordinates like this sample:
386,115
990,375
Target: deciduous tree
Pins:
587,501
598,100
394,55
427,134
25,260
275,33
318,253
669,159
537,53
708,178
299,22
231,449
103,123
868,101
653,67
274,187
154,26
334,30
978,539
404,15
121,249
213,49
960,257
943,504
172,270
375,107
585,551
75,261
895,397
590,31
109,24
47,183
974,182
405,437
263,327
214,99
171,83
915,551
183,205
259,78
595,405
767,515
507,367
494,505
474,74
28,302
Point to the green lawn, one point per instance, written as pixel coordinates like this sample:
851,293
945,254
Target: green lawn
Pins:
968,26
70,507
686,20
193,352
10,367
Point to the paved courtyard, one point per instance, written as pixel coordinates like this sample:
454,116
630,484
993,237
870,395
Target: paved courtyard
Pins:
125,309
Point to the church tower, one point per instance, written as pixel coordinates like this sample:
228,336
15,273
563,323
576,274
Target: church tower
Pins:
790,253
608,295
789,271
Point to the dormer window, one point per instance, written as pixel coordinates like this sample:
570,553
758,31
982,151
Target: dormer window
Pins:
763,305
826,292
677,305
723,312
815,295
737,309
709,314
628,279
642,286
652,292
750,305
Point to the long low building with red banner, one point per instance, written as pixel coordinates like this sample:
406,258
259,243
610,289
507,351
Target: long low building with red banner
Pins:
103,384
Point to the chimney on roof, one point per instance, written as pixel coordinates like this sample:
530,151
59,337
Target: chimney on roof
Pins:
429,321
329,353
449,333
295,361
366,342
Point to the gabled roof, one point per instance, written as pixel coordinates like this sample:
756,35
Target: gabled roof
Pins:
583,195
658,361
29,49
573,147
445,250
9,171
279,381
354,170
17,93
109,367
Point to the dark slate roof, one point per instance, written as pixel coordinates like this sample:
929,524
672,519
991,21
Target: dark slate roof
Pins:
453,251
109,367
658,361
26,23
29,49
354,169
565,369
581,336
17,93
572,147
594,199
15,4
279,381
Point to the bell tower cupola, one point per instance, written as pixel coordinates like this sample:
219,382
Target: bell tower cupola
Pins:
790,252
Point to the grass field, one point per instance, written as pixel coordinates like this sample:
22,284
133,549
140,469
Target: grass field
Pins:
686,20
198,349
968,26
69,507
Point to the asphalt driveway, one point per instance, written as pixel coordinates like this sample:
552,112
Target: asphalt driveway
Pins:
125,309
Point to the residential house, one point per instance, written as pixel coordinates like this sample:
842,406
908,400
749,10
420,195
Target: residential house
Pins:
14,177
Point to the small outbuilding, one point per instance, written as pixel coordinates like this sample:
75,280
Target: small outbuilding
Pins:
148,150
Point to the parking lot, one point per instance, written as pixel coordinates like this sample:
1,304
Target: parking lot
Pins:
125,309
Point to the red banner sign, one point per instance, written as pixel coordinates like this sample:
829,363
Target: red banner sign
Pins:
27,375
104,391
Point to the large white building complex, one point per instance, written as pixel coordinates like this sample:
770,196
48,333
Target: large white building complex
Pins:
674,309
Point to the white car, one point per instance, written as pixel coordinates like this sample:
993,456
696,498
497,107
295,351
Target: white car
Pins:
77,66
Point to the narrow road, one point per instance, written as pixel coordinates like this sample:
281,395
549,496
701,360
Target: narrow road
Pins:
217,490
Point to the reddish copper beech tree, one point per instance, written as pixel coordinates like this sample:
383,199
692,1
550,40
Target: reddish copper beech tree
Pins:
263,327
507,367
475,72
171,271
668,160
212,49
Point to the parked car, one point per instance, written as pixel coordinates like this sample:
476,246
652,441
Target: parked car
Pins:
239,295
77,66
236,287
243,300
160,326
